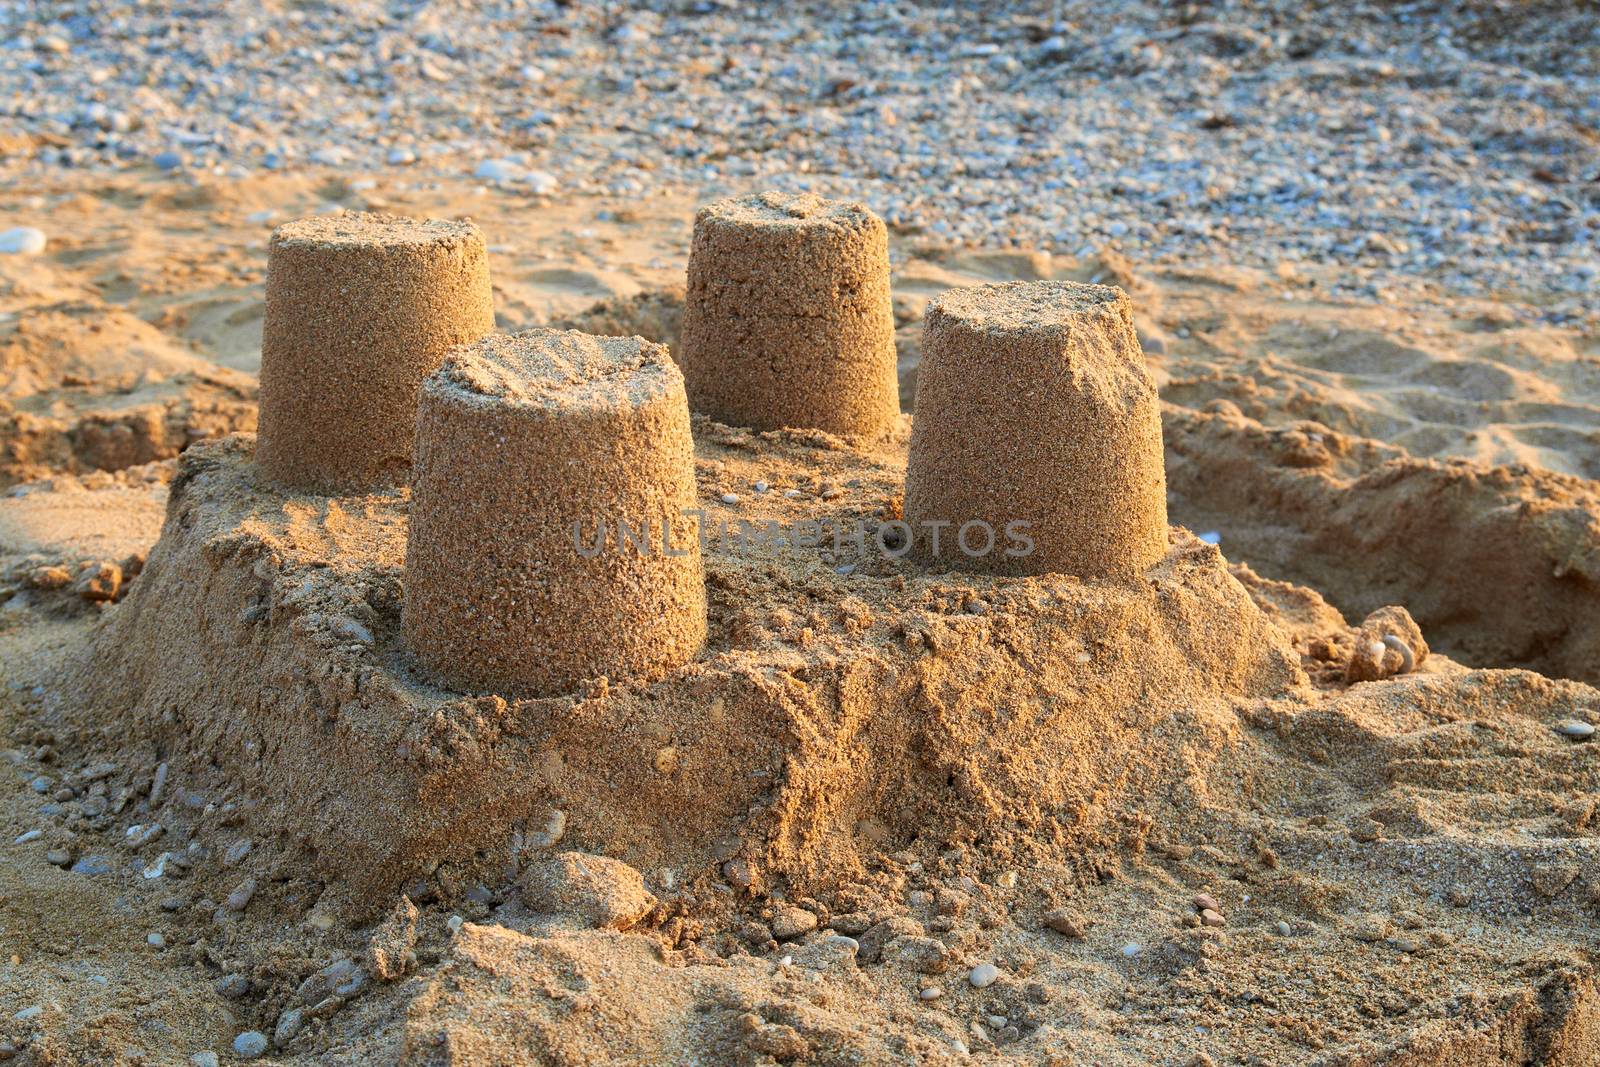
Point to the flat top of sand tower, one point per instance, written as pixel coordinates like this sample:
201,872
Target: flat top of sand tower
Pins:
1027,307
557,370
353,229
786,211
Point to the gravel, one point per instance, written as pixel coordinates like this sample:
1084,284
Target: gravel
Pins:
1450,145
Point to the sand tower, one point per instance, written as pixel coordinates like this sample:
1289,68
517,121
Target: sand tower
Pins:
360,308
788,320
548,541
1034,406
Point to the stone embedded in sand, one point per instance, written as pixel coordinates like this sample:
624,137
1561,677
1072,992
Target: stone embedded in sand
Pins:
788,320
359,309
600,891
1036,445
1389,643
550,540
791,922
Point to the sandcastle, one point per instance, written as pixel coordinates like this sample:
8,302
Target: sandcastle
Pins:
788,320
549,540
359,309
1036,445
538,626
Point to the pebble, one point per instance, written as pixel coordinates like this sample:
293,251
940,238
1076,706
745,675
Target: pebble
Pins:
555,826
156,939
22,241
983,975
1206,902
204,1059
250,1045
1211,917
790,923
92,865
58,857
542,183
41,784
739,873
1576,729
29,1013
237,852
288,1028
498,171
1284,929
167,160
232,986
1132,949
931,992
239,899
730,498
31,835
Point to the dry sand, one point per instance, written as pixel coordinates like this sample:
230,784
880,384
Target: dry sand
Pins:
1159,810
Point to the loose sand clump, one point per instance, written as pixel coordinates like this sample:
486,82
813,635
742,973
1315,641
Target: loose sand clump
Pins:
1034,407
548,537
359,309
788,320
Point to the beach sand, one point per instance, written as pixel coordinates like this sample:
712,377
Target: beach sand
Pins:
1157,810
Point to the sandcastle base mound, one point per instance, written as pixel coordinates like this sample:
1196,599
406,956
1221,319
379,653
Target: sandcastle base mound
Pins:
832,714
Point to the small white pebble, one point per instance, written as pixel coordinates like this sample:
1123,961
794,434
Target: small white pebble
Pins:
1575,729
786,961
983,975
31,835
760,487
932,992
455,922
730,498
1131,949
156,940
28,1013
791,493
1284,928
22,241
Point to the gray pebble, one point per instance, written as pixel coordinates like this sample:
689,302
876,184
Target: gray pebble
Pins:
232,986
239,899
288,1028
92,865
250,1045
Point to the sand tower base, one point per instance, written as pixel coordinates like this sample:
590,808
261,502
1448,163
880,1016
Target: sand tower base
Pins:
829,715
